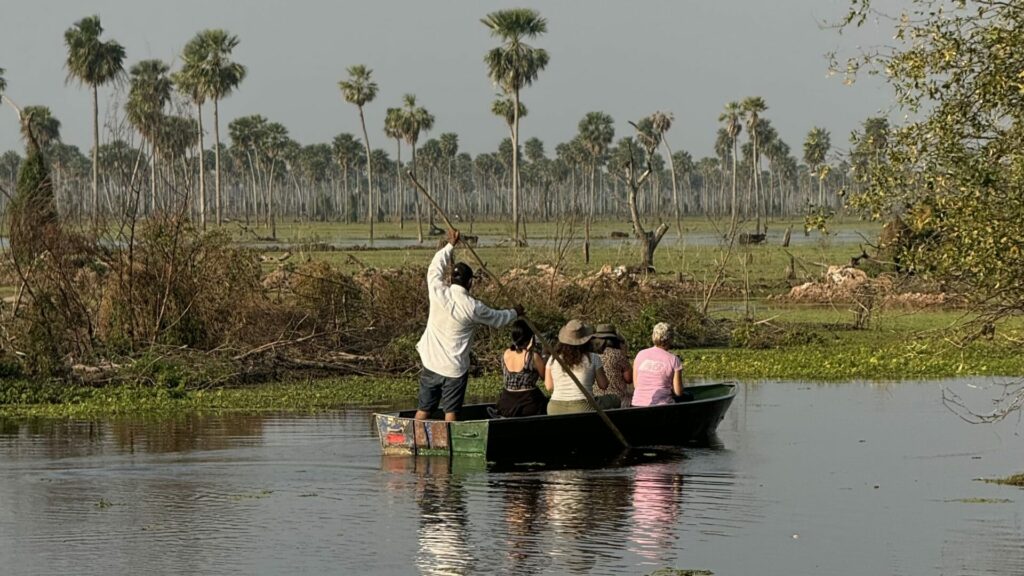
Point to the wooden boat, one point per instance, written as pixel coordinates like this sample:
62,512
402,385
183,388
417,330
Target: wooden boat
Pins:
531,438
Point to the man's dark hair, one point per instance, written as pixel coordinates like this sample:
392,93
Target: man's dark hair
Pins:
462,275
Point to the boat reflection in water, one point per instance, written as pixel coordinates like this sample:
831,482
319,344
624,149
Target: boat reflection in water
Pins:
440,492
556,519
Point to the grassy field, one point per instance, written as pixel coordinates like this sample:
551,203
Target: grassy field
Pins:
292,231
698,255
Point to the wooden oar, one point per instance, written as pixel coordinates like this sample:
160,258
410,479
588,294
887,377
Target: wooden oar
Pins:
537,333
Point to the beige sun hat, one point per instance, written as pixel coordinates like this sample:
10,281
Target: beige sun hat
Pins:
575,333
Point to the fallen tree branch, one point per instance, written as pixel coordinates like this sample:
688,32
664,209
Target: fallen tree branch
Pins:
283,343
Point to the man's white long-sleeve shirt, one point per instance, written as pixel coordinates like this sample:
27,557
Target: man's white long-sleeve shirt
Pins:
444,346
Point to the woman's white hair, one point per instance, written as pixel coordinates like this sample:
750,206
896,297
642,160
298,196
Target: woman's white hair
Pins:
662,333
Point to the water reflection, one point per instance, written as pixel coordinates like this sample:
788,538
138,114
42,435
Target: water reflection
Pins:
69,439
523,520
443,518
657,490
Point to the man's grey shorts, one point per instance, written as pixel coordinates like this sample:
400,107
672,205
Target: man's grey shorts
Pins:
436,389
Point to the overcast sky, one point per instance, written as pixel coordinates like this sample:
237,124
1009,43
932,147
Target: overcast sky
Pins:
626,58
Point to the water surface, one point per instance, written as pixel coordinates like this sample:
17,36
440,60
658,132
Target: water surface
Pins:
813,479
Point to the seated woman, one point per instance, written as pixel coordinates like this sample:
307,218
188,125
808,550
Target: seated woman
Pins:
521,366
572,348
616,364
657,373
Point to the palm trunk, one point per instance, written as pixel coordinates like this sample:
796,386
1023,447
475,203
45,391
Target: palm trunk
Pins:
419,218
515,168
399,190
675,192
734,220
216,157
202,169
152,178
95,154
369,175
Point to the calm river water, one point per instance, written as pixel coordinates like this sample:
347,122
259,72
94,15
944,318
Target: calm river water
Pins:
813,479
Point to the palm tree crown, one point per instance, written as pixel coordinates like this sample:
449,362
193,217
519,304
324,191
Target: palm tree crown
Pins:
816,147
731,117
417,120
219,75
148,95
515,64
90,60
505,109
596,133
360,88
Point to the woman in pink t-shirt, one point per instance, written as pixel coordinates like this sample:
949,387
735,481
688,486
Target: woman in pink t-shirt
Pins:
657,373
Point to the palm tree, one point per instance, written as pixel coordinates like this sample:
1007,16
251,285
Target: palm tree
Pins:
360,90
245,133
661,123
449,150
94,63
731,117
394,128
752,107
218,77
148,96
513,66
190,81
816,148
346,154
273,142
417,120
596,132
683,167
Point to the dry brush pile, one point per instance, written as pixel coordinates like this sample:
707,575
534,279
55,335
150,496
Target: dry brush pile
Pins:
179,307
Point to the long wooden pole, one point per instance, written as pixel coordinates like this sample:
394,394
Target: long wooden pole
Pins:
537,333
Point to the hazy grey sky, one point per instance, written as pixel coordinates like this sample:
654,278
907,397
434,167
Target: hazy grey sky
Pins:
626,58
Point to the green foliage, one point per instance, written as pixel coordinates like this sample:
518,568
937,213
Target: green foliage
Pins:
818,218
833,357
32,214
763,336
956,170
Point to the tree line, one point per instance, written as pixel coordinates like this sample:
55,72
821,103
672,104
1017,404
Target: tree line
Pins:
155,157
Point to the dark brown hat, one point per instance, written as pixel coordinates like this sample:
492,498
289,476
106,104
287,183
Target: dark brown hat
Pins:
606,331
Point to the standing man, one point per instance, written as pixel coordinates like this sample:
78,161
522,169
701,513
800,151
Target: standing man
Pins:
444,346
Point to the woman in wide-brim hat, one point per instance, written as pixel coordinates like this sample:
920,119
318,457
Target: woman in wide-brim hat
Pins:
573,349
617,367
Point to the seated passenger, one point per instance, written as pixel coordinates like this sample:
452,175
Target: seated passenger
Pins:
657,373
573,350
616,363
521,366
